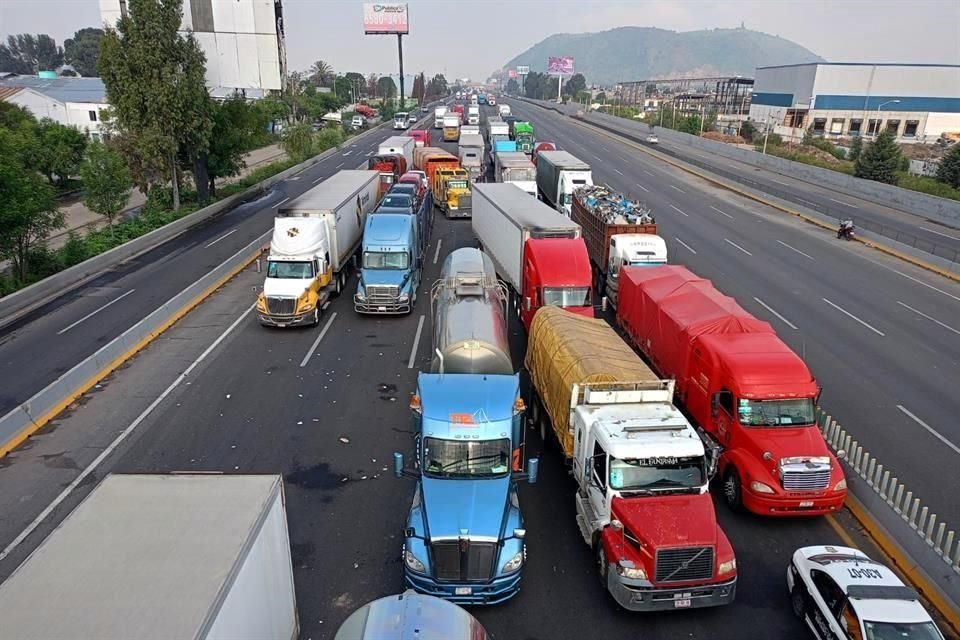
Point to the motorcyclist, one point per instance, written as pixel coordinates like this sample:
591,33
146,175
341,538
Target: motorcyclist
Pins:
845,230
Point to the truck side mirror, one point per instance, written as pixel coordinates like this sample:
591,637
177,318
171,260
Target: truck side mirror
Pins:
527,303
397,464
533,471
520,533
603,304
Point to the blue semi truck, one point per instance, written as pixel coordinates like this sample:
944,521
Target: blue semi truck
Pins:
464,539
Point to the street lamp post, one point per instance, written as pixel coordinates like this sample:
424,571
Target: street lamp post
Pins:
766,134
877,132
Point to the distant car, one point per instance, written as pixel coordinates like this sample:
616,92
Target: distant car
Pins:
410,189
397,203
425,109
357,122
400,120
423,177
841,593
653,139
412,118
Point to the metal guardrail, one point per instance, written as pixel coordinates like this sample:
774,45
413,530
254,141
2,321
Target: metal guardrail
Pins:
888,486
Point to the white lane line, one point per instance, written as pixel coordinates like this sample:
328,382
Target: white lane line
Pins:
346,153
723,213
281,202
341,164
207,246
688,247
416,343
325,305
850,315
604,148
679,211
677,188
930,318
63,495
918,281
319,179
771,310
293,179
852,206
734,244
369,153
649,173
436,254
786,184
316,343
806,255
923,424
622,158
362,165
618,171
643,187
95,312
945,235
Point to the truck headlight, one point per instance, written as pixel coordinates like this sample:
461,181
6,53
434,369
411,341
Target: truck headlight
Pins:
514,563
632,573
759,487
262,303
727,567
412,562
841,486
404,297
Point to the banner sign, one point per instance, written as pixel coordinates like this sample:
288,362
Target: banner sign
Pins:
523,70
385,18
560,65
512,73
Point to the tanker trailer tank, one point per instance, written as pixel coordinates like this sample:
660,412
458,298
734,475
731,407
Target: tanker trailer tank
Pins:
470,319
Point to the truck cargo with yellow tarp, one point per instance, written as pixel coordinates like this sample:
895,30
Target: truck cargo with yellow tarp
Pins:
566,352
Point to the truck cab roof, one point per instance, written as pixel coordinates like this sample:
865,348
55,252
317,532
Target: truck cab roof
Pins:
760,365
386,231
474,406
642,430
565,260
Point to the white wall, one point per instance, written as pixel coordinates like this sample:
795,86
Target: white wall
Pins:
900,80
797,80
75,114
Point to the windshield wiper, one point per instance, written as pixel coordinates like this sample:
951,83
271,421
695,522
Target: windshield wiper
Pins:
475,459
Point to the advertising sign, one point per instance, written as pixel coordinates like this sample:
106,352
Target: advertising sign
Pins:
560,65
523,70
512,73
385,18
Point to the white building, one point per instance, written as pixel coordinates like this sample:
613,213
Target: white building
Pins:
918,102
77,102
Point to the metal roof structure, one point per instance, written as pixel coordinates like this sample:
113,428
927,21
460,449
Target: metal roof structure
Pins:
85,90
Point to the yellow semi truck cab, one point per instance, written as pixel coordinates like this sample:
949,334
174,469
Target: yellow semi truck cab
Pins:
452,192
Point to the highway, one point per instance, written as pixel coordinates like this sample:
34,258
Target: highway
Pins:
48,342
326,407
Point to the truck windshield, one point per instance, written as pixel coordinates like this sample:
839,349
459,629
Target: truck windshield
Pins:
657,473
566,296
793,412
466,459
901,630
396,200
386,260
290,270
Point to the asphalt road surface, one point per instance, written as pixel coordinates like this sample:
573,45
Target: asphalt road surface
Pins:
326,407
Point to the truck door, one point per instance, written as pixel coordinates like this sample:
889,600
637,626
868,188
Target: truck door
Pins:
531,287
597,482
723,415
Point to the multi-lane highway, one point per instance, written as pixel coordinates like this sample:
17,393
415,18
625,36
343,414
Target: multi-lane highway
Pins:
326,407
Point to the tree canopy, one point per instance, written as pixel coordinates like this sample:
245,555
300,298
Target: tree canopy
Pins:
880,160
386,87
27,54
82,51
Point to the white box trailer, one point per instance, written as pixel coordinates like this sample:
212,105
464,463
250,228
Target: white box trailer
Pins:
559,174
505,217
402,145
438,114
161,557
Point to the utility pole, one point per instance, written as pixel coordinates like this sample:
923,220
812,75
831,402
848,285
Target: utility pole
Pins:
400,50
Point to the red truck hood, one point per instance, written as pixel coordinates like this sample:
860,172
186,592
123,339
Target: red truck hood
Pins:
670,520
785,443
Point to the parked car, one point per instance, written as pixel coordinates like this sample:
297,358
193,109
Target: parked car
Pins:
358,122
653,139
839,592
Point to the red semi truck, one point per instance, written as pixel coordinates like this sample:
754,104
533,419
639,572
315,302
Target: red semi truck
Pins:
391,166
751,395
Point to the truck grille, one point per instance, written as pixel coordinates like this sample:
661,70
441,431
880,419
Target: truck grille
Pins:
281,306
806,479
684,564
456,560
465,202
382,293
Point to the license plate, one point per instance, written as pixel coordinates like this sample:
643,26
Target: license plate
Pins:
681,604
806,503
281,324
464,591
381,308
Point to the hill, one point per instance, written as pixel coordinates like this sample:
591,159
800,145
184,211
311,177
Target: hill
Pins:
641,53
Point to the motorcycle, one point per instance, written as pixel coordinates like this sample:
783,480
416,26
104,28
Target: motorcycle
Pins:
846,230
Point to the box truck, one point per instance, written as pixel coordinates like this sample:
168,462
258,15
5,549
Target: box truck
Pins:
559,173
515,167
438,114
399,145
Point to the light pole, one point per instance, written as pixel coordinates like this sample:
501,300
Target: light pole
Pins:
877,132
766,134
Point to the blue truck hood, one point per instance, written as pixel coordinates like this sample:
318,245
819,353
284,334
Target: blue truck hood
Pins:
474,506
384,276
405,210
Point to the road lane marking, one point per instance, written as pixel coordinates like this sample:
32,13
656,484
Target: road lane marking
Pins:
771,310
319,179
679,211
622,158
723,213
436,254
786,184
917,280
316,343
734,244
689,248
649,173
207,246
341,164
945,235
806,255
848,314
416,343
643,187
369,153
677,188
852,206
94,312
618,171
930,318
923,424
63,495
346,153
281,202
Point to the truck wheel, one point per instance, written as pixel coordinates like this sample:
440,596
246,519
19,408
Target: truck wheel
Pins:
732,489
338,285
798,602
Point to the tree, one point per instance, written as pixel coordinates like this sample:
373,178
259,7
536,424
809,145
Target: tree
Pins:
880,160
537,85
106,182
236,125
12,116
28,211
60,150
373,81
575,84
155,84
82,51
386,87
437,87
27,54
321,74
602,97
748,130
343,90
298,141
512,87
949,170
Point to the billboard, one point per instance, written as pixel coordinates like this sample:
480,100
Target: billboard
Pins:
560,65
512,73
385,18
523,70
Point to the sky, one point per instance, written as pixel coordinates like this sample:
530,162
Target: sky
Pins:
471,38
